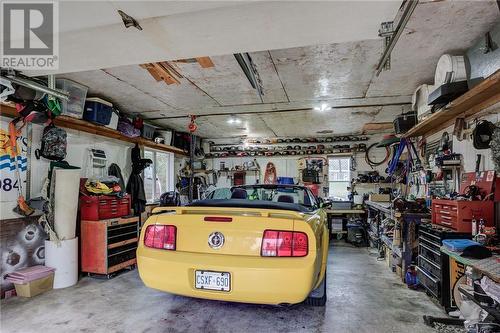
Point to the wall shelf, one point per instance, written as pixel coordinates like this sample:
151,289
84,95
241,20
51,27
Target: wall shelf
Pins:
87,127
361,138
482,96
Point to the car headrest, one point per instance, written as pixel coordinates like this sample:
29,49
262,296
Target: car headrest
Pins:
239,193
285,198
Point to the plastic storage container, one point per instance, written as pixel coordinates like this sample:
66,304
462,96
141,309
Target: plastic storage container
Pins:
98,111
167,135
404,122
77,93
285,180
113,123
458,245
148,131
101,207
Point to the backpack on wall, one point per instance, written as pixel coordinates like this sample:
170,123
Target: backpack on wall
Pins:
53,145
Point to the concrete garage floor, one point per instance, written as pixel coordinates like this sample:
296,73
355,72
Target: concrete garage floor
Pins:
363,296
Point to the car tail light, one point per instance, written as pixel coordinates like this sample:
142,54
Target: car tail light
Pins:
217,219
160,236
277,243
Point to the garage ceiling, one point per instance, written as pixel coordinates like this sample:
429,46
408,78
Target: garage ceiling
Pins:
186,29
298,79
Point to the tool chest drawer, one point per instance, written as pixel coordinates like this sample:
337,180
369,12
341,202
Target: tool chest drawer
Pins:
101,207
429,282
430,254
429,266
109,245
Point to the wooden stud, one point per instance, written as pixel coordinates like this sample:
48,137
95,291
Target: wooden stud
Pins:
154,74
205,62
377,126
171,69
165,74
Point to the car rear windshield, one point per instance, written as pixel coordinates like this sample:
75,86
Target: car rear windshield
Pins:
291,195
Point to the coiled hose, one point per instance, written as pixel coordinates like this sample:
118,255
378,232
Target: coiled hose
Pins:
373,163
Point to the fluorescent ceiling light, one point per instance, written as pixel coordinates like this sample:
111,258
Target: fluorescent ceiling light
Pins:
322,107
234,120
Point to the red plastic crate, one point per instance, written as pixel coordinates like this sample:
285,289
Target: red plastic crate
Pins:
102,207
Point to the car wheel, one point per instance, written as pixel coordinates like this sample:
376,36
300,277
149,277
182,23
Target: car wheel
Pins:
317,297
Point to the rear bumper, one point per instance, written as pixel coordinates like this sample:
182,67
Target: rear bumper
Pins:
253,279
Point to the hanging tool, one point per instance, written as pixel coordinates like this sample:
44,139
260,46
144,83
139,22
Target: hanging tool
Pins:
478,164
22,207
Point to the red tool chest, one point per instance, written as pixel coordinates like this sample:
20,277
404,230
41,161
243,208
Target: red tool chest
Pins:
458,215
109,245
100,207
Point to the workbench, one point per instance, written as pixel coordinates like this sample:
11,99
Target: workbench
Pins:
341,214
403,246
489,267
345,211
384,207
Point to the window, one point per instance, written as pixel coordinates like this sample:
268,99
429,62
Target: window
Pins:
339,177
159,176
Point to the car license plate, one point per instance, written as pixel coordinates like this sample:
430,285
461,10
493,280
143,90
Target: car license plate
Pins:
212,280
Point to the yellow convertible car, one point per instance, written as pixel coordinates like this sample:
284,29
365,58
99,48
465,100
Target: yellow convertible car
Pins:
267,244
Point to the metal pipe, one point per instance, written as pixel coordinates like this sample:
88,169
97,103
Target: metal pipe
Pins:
410,7
35,86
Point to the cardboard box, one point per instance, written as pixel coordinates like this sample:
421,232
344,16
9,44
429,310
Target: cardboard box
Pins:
35,287
399,271
380,197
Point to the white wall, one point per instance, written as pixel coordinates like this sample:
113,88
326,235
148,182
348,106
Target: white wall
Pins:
78,147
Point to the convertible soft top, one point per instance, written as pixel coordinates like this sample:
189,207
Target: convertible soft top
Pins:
243,203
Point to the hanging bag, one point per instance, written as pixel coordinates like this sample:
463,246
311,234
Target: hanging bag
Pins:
53,145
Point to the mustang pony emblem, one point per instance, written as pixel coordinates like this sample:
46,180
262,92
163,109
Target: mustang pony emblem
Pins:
216,240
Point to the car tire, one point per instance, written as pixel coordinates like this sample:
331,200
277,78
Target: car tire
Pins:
317,297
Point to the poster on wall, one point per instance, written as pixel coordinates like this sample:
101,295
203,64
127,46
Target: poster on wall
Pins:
9,184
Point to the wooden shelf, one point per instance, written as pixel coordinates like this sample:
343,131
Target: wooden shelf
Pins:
485,94
310,143
88,127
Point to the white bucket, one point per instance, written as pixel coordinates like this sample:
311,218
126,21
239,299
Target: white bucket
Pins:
63,256
358,199
67,186
455,65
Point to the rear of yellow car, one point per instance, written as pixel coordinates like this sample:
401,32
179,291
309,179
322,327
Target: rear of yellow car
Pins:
234,254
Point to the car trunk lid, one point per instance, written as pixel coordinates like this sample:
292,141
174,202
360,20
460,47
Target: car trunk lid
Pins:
228,231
